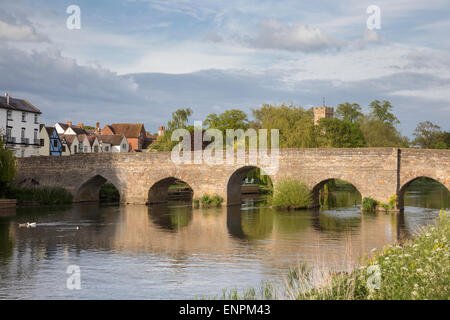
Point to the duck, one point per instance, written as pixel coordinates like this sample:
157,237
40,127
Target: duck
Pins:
27,225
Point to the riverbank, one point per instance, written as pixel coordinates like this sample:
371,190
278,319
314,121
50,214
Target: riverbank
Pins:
416,270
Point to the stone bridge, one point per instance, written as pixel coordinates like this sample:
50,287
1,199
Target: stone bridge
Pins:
144,177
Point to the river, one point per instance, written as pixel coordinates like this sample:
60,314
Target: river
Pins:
177,252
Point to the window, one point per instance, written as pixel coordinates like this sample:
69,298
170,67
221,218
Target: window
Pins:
36,118
85,149
22,153
75,150
8,132
22,133
24,117
80,147
95,148
63,149
55,143
9,115
124,146
107,148
36,139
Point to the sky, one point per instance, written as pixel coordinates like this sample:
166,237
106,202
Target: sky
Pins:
140,60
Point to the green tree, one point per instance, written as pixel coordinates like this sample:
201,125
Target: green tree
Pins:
230,119
337,133
179,120
429,135
379,134
295,124
350,112
382,111
8,168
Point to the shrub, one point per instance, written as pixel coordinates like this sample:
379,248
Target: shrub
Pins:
41,194
291,194
369,204
211,200
109,193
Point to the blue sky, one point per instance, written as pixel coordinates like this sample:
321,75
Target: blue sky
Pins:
139,60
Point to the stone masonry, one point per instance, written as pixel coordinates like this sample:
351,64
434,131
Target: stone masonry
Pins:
378,173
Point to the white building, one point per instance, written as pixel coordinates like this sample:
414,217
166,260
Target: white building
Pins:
19,126
113,143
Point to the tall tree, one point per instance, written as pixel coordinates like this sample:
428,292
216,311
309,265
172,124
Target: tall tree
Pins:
337,133
230,119
429,135
382,111
350,112
295,124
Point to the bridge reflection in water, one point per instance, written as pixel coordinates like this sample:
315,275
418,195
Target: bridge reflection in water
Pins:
176,251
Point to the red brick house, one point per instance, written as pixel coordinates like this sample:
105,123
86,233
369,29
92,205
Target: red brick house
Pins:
134,132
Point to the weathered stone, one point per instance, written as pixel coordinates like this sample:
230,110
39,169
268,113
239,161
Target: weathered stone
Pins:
378,173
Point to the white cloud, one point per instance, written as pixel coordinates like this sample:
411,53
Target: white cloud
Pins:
14,30
273,34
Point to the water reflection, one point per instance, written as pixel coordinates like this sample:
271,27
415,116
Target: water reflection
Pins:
179,252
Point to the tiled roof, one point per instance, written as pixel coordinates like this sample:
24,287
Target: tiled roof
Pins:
50,130
69,138
114,140
129,130
64,126
18,104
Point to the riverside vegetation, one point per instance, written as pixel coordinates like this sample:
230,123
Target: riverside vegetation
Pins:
415,270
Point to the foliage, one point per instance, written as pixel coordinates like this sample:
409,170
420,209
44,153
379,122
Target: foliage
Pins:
429,135
379,134
230,119
382,111
179,120
213,200
109,193
8,169
369,204
336,133
43,195
350,112
291,193
295,124
259,178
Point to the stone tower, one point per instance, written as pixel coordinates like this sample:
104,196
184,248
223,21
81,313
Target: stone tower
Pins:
322,112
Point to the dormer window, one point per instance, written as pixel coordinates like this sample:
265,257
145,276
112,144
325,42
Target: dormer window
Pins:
24,117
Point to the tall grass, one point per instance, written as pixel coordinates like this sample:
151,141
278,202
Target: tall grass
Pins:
291,194
43,195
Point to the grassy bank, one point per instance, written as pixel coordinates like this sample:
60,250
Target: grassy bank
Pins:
419,269
40,195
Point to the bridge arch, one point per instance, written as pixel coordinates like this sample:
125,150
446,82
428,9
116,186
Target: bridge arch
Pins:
402,190
234,192
159,191
89,190
316,190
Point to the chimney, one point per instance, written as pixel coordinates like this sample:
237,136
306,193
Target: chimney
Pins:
97,125
7,97
161,130
69,123
80,125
